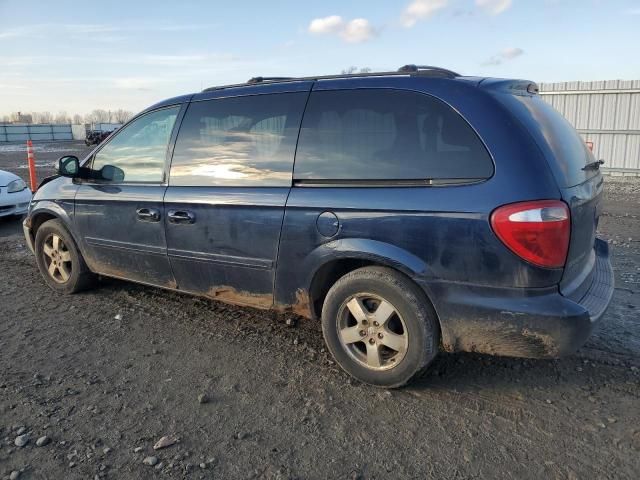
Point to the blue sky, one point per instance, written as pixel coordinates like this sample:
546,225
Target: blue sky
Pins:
77,56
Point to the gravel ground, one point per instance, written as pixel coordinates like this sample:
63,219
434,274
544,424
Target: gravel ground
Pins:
105,374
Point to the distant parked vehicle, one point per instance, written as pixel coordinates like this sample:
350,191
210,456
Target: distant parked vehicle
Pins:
14,195
406,210
95,137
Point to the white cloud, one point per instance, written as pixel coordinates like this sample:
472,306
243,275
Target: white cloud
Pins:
511,52
354,31
11,86
331,24
494,7
504,56
135,83
14,32
8,34
97,31
181,60
421,9
358,30
90,28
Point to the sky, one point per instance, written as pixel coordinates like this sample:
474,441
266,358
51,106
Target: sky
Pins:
77,56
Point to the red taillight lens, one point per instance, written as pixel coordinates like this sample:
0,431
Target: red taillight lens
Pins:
536,231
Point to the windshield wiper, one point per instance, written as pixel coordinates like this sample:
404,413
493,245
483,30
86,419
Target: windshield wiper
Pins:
593,165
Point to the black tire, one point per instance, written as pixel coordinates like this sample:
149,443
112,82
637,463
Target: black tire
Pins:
78,276
415,322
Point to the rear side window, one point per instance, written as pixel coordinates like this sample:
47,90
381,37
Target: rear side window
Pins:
238,141
566,151
382,134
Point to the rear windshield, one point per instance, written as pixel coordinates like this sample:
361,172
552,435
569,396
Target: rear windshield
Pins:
563,147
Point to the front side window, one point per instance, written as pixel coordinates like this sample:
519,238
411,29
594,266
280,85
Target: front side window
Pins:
238,141
140,148
382,134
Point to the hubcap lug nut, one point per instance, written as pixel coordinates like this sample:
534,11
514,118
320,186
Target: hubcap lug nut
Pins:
379,335
372,341
375,323
362,333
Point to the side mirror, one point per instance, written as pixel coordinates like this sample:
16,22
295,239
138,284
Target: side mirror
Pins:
69,166
112,174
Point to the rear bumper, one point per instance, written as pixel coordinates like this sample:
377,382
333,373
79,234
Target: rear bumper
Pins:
599,294
534,323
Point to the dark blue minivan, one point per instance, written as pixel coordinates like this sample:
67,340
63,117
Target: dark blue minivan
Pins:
408,211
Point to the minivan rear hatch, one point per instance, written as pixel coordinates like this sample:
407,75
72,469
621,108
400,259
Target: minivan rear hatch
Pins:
579,180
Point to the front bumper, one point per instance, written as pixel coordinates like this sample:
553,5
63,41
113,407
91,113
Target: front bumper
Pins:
28,236
14,203
534,323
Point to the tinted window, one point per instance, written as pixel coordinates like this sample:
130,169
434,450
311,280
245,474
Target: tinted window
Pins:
379,134
567,152
140,148
238,141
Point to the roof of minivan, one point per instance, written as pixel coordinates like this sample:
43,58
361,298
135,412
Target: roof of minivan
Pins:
498,84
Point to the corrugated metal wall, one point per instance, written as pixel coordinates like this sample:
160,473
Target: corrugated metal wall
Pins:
606,113
22,133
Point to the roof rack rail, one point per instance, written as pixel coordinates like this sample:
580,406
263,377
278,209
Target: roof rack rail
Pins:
254,80
411,68
418,70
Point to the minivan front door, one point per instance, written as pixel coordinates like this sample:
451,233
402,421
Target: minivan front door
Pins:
230,177
120,218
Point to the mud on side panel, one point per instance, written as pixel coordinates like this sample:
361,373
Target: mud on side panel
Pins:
428,233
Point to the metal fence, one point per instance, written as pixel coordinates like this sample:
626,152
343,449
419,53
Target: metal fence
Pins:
105,127
22,133
606,113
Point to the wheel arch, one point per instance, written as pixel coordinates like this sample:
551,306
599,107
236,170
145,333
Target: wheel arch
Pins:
335,259
46,211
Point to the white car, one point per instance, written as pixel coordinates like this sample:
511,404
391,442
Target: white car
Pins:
14,195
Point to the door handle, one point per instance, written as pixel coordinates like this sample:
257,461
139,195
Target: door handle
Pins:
181,216
148,214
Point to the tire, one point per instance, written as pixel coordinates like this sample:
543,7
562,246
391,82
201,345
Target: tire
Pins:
69,273
388,347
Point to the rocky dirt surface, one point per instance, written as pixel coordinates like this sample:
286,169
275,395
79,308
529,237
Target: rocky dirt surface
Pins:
89,383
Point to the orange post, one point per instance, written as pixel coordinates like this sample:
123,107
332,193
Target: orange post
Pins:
32,166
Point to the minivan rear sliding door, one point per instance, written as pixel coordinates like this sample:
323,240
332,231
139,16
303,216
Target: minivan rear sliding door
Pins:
230,177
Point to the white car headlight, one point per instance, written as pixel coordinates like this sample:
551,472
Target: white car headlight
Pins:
16,186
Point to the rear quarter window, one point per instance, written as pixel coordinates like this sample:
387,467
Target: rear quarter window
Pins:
383,134
565,150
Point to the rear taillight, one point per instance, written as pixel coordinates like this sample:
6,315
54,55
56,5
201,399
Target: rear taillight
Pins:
537,231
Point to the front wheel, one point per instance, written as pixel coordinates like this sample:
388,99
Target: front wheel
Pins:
59,260
379,327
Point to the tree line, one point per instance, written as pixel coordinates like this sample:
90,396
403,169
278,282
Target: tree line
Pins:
96,116
99,115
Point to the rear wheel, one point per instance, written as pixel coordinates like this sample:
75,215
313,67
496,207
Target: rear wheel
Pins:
59,260
380,327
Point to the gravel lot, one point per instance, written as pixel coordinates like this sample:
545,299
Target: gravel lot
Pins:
107,373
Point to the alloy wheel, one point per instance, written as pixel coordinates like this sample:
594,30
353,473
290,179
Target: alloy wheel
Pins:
57,258
372,331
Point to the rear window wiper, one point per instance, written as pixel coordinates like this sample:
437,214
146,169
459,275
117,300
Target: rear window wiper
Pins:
593,165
